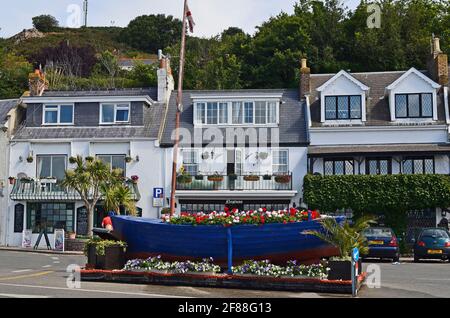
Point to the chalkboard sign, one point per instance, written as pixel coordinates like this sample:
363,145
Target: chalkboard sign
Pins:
82,221
19,210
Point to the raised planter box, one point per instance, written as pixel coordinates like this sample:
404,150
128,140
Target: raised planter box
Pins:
114,258
341,270
76,245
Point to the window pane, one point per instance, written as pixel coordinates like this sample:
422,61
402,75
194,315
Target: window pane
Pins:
260,112
373,167
201,113
418,166
338,167
413,106
355,107
248,112
223,113
123,113
427,105
384,167
44,166
343,107
400,106
58,167
118,162
272,113
51,116
237,113
349,168
66,114
105,159
330,108
328,168
429,166
107,113
211,113
408,167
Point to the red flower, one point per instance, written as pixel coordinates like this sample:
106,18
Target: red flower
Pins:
264,209
226,209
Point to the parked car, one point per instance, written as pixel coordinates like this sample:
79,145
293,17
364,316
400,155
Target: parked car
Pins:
432,243
382,243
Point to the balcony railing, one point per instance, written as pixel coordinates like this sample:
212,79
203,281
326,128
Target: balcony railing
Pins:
236,183
51,189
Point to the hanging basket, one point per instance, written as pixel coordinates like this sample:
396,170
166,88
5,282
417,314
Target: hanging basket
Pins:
251,178
215,178
283,179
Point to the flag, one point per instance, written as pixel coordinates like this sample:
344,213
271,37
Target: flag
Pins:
190,19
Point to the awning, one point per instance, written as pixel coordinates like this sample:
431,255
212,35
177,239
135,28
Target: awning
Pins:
377,150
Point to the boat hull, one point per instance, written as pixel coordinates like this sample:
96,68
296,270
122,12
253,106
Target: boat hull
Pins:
276,242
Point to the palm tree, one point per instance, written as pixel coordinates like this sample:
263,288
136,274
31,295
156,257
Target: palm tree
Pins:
344,236
87,179
118,195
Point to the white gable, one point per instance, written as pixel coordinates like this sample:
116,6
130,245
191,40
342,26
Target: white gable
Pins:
342,81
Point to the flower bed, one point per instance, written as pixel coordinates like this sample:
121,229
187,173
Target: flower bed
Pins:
157,264
235,217
292,269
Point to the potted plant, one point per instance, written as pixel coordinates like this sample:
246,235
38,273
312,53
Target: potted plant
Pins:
134,179
232,177
128,159
205,155
184,178
199,177
215,178
105,254
251,178
73,160
89,158
30,159
283,178
263,155
345,238
267,177
12,180
49,180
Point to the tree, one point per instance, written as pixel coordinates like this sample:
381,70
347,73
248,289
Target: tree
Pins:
152,32
88,179
45,23
110,63
14,71
144,75
117,196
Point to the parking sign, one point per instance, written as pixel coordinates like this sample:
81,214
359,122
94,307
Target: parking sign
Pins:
158,193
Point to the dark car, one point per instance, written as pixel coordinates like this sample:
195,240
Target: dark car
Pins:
432,243
382,243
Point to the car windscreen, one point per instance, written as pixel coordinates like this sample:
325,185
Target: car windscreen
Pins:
378,232
435,233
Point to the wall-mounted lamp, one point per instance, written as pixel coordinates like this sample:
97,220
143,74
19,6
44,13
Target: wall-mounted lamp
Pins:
137,158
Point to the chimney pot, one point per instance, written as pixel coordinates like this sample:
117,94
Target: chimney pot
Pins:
436,45
305,79
304,65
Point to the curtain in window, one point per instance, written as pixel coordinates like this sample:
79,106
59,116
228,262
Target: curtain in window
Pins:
237,113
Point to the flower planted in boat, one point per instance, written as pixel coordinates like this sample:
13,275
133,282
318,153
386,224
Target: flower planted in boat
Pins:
236,217
292,269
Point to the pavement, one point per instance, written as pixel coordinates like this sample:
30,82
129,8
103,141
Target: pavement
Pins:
44,275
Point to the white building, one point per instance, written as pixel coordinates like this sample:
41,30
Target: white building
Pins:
380,123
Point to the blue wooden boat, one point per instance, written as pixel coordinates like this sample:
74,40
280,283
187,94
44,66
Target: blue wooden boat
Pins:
227,245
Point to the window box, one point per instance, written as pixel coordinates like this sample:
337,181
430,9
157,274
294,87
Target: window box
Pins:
283,179
184,179
252,178
215,178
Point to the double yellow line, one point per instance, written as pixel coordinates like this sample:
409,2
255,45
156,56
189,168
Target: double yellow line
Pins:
6,278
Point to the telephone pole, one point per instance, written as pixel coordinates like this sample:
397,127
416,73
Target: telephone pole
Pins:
85,9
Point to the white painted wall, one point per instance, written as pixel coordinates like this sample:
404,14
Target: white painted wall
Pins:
4,185
149,168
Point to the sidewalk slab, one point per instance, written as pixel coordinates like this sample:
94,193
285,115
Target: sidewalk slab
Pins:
39,251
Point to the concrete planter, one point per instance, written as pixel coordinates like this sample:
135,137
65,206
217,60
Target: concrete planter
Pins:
341,270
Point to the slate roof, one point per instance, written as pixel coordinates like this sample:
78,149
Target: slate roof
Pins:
292,128
150,92
5,107
378,113
153,117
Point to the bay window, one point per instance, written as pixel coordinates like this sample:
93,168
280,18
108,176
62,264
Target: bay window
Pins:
58,115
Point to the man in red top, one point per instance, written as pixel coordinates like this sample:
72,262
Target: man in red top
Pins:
107,222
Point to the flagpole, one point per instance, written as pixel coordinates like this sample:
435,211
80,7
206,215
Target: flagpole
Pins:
178,114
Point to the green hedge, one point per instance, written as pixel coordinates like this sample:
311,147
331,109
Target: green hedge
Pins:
377,194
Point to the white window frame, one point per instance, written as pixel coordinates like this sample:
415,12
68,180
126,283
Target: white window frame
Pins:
278,164
51,156
196,160
117,106
229,122
58,116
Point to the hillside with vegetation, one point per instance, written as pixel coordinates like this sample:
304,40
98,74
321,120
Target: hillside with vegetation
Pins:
328,34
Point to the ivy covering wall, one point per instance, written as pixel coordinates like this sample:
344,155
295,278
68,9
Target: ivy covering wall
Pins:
377,194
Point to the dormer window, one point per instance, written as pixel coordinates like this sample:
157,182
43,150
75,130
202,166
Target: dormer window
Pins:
114,113
258,112
414,105
58,115
343,107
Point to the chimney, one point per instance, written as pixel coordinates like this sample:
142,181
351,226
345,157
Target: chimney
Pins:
37,83
166,82
305,79
438,63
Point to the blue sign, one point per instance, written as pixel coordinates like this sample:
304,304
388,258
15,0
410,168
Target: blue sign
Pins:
355,254
158,193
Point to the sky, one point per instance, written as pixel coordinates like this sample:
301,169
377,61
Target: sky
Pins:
211,16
